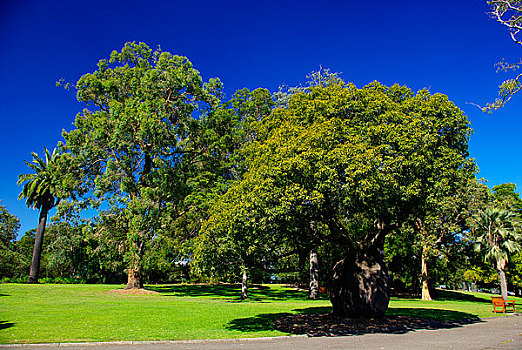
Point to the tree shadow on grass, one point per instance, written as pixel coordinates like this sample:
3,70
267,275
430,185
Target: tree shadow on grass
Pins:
233,291
4,295
442,315
5,324
447,295
198,290
258,323
317,321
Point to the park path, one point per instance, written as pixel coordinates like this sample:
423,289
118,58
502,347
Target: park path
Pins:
489,333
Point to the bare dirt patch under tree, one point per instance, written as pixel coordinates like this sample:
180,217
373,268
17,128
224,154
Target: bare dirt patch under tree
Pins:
132,291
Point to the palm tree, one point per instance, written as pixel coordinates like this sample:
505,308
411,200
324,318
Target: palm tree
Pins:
40,192
499,236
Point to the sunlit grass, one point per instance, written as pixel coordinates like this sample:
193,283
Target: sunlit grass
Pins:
65,313
83,313
448,305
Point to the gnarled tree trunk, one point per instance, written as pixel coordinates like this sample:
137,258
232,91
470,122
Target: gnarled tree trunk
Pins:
360,285
134,279
38,244
314,275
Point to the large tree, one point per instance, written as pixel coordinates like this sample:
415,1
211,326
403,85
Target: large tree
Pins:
41,190
229,129
347,165
133,141
443,218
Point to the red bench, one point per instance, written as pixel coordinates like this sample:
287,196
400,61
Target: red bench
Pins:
500,303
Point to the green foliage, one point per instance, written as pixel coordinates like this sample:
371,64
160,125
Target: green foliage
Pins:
70,254
506,197
403,254
133,146
10,258
514,270
338,158
485,275
498,234
41,188
9,225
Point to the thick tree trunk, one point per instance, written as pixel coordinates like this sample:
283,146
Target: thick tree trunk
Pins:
244,286
134,279
501,265
424,276
360,286
38,243
314,275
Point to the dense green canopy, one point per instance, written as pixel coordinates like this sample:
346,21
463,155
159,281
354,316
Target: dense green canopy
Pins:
131,144
257,184
344,158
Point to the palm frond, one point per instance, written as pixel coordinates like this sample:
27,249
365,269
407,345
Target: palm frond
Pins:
39,188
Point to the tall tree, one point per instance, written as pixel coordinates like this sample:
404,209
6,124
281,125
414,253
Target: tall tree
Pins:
444,216
226,132
41,191
130,145
498,236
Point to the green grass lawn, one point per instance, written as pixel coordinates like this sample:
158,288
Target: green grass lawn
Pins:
83,313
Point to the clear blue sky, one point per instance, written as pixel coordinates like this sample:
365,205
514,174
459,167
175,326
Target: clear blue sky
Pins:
447,46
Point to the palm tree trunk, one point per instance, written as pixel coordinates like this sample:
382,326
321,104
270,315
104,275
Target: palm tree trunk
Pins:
38,243
244,286
424,274
501,264
314,275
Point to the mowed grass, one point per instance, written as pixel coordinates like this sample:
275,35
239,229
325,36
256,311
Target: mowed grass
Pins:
449,306
48,313
84,313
